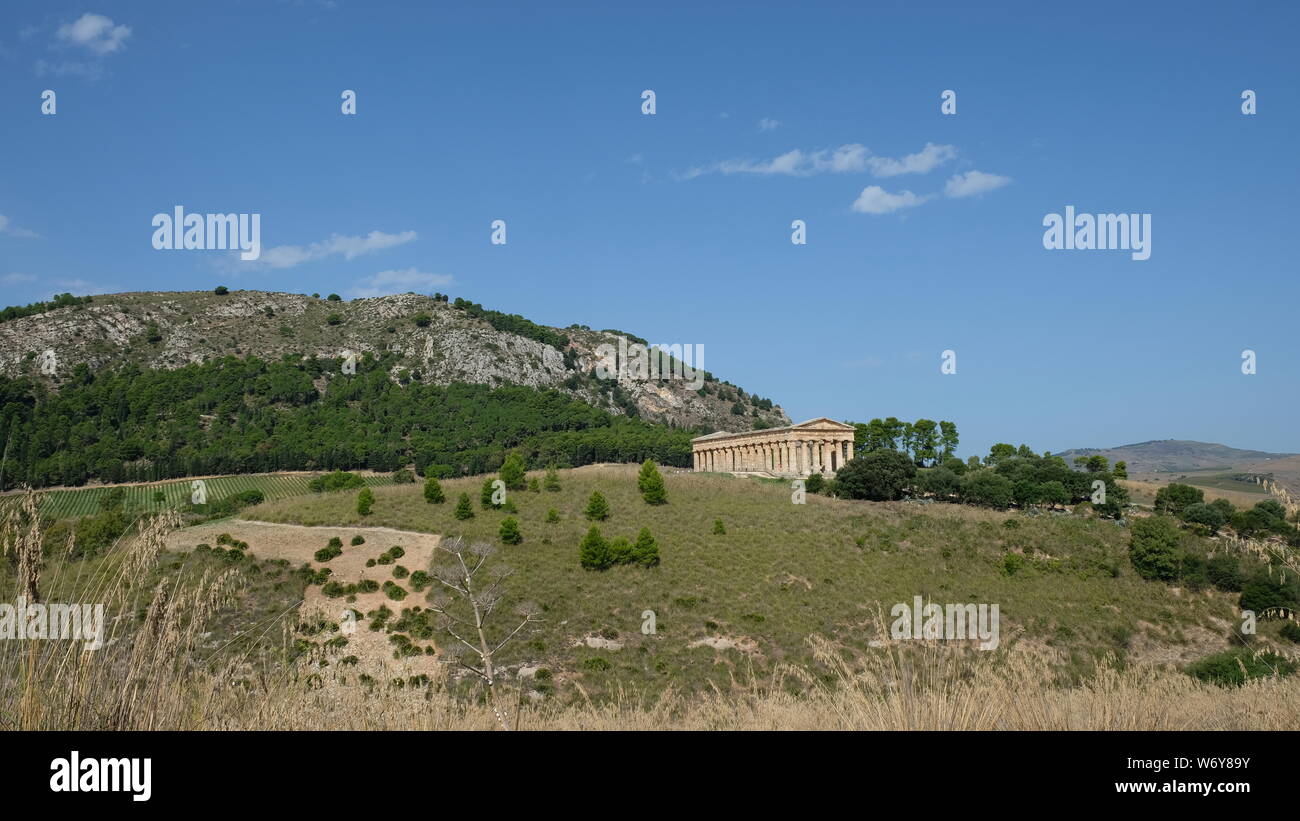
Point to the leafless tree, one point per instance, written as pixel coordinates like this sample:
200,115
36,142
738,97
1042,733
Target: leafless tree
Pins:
465,607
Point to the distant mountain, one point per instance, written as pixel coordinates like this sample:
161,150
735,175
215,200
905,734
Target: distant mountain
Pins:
1177,456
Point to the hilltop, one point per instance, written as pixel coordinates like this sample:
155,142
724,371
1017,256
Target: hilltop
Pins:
436,341
1176,456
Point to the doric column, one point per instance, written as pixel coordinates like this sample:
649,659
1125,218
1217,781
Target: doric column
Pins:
850,449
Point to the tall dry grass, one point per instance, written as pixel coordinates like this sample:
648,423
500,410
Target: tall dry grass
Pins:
151,676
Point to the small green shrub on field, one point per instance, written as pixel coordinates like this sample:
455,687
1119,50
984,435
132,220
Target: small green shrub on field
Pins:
1232,668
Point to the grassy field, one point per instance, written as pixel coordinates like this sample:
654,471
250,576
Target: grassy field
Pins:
63,504
742,604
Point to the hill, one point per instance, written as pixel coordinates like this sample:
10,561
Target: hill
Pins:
1176,456
439,341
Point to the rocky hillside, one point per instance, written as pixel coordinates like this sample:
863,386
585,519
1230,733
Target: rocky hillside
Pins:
437,341
1175,456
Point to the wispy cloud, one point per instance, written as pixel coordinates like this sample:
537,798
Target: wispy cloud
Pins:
17,279
8,228
847,159
876,200
973,183
768,124
348,247
922,162
398,282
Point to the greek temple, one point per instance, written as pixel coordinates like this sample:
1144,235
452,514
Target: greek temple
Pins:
819,445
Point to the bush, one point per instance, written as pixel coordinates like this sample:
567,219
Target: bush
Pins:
326,553
358,539
878,475
552,480
512,472
404,476
940,482
1291,632
651,484
1232,668
464,510
1175,498
1211,517
814,483
338,480
1224,572
433,491
509,532
552,516
593,551
718,529
394,591
987,488
221,290
597,508
1154,548
645,551
365,500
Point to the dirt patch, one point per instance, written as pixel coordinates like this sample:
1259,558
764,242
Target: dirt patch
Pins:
297,544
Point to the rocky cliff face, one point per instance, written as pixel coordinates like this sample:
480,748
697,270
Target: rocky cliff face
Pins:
436,342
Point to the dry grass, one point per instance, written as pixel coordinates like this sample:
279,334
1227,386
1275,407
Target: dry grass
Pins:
147,678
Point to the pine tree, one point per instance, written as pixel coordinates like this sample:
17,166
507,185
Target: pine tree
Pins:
552,481
651,484
365,500
464,510
597,508
646,551
485,494
509,532
552,516
593,552
512,472
433,491
718,529
534,486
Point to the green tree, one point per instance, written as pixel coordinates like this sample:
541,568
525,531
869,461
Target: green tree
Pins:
948,439
814,483
485,494
552,516
1121,470
597,508
718,529
1174,498
512,472
509,532
552,480
365,500
925,441
645,551
987,488
651,484
433,491
1155,548
879,475
593,551
464,510
999,453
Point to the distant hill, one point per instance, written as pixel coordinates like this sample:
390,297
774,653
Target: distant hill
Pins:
438,341
1178,456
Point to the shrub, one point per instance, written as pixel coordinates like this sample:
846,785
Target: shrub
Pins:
1174,498
597,508
394,591
221,290
404,476
651,484
814,483
464,510
365,500
1291,632
338,480
552,480
400,572
593,551
433,491
987,488
534,486
718,529
552,516
1232,668
358,539
326,553
1154,548
1224,572
512,472
645,551
509,532
878,475
1211,517
485,494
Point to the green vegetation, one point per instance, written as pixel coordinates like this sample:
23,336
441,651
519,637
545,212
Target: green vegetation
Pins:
433,491
235,416
58,301
1233,668
651,484
597,509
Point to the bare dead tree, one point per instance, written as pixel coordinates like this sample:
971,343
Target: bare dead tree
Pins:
465,608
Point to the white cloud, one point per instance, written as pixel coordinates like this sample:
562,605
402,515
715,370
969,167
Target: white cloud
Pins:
14,231
68,68
921,162
348,247
847,159
876,200
399,282
94,32
973,183
767,124
17,279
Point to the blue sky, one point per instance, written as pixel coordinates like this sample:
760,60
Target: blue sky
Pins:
676,226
